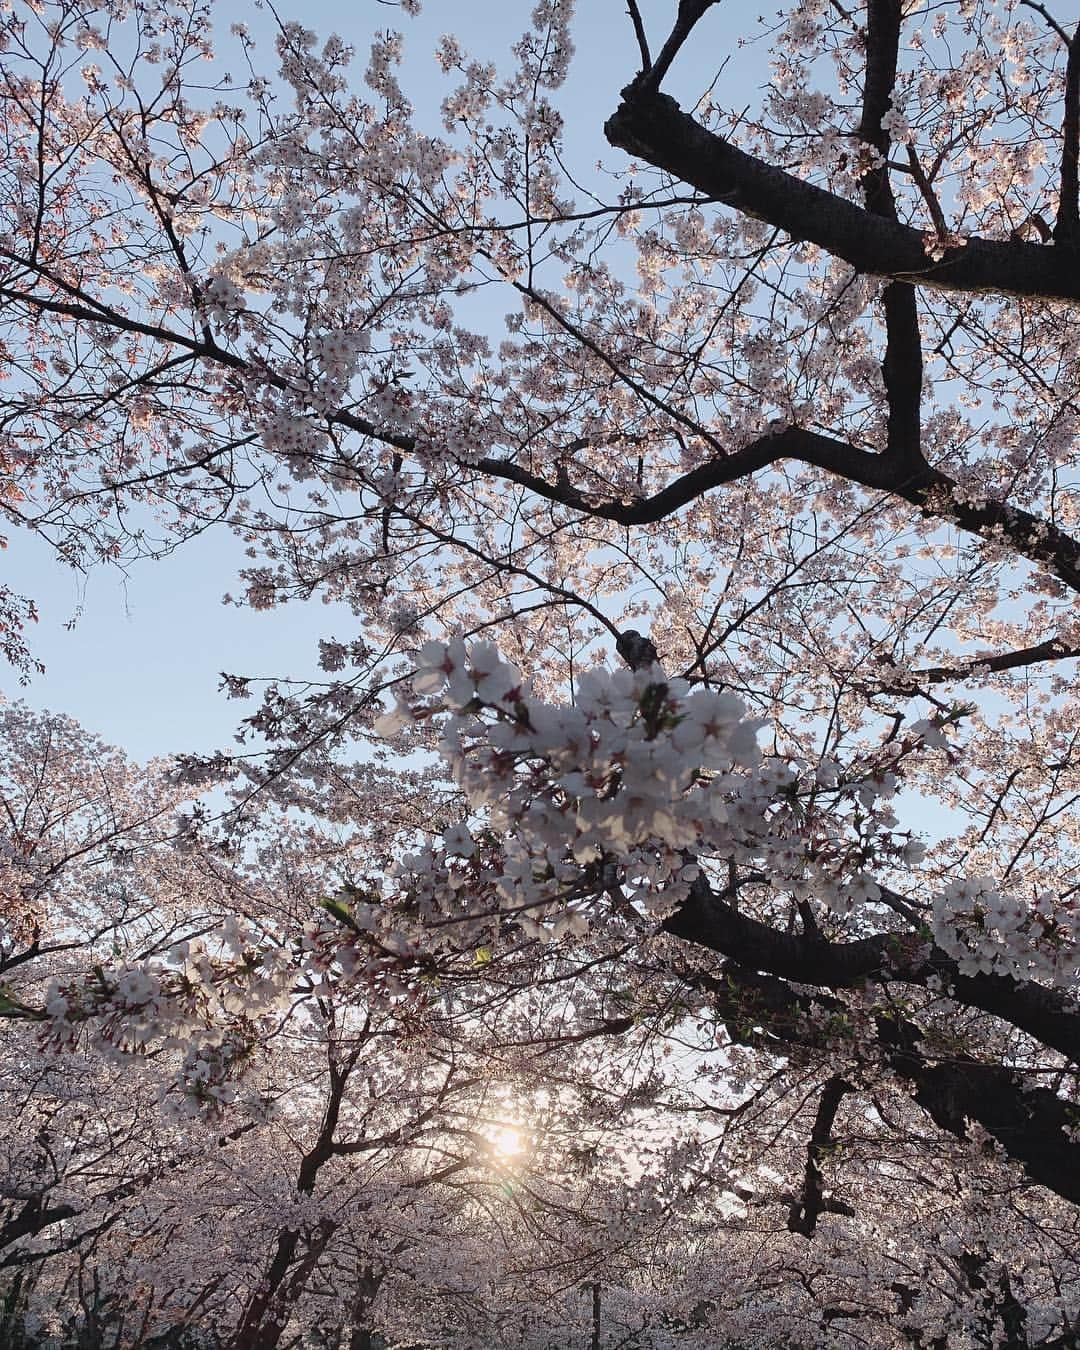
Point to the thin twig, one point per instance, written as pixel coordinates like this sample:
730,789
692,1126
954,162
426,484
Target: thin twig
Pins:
639,33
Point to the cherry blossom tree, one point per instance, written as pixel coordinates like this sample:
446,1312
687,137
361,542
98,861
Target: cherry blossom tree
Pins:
215,1127
711,689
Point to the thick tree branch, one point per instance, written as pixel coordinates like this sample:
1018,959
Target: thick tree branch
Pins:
812,1202
1067,228
902,367
882,49
1053,649
706,918
32,1219
653,127
1031,1123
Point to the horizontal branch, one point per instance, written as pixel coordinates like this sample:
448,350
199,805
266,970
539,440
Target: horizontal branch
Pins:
653,127
899,472
932,492
1052,649
708,920
32,1219
1032,1124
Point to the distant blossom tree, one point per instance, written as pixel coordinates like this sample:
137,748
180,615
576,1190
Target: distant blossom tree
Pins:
701,774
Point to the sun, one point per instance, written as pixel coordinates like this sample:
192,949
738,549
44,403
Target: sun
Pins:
506,1141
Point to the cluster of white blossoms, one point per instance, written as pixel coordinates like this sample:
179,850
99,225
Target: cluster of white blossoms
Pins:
628,787
205,1005
292,435
989,932
223,300
391,408
337,353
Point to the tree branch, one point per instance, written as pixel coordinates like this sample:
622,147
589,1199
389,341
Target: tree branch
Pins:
654,128
1031,1123
934,493
687,16
1053,649
808,1207
706,918
1067,227
639,33
902,367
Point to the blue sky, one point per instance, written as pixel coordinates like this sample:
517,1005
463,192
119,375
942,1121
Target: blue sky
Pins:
137,657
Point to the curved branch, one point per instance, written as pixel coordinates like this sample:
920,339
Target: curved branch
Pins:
808,1207
708,920
934,493
654,128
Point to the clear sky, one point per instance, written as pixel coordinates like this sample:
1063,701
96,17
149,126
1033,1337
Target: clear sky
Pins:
140,664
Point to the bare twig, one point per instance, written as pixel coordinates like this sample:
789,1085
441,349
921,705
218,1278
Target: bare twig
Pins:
690,11
639,33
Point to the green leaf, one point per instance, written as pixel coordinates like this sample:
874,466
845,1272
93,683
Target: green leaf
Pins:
339,910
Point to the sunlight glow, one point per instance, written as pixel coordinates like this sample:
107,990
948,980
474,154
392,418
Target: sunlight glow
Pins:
506,1141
